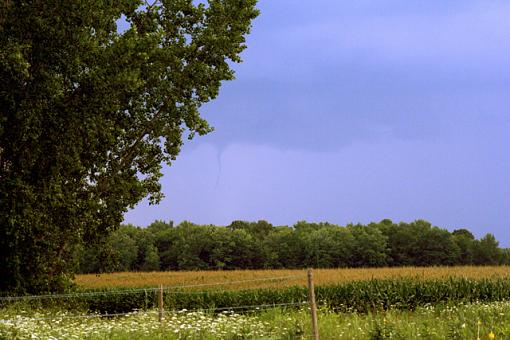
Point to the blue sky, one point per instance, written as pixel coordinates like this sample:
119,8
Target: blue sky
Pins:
356,111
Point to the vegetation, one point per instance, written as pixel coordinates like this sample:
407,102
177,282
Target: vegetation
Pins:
361,296
433,303
259,245
251,279
88,113
459,321
357,296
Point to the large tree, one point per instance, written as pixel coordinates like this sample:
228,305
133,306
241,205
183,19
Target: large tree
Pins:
89,112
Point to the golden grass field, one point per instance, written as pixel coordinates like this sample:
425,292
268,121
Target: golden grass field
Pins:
228,279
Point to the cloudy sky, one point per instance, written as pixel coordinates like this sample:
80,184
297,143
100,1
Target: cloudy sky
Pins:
356,111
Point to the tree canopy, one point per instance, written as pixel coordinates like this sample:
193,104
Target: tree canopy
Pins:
257,245
88,114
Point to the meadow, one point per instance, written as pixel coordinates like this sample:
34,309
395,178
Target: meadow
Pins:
398,303
461,321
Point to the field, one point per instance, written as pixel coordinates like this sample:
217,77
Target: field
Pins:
398,303
321,277
463,321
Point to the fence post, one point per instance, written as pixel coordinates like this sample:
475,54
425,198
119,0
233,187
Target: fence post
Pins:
313,306
160,302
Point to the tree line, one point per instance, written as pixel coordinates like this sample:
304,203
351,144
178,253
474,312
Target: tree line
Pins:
257,245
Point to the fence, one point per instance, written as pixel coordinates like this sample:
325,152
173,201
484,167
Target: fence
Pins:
164,297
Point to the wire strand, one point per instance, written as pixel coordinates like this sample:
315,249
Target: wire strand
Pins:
83,316
240,281
254,307
71,295
148,289
150,312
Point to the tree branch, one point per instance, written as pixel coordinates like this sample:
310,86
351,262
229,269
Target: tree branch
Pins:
129,154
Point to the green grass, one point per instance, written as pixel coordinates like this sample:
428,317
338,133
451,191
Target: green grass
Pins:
373,309
438,322
449,321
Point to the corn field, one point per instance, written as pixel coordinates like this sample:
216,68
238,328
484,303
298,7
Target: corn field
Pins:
353,303
321,276
344,290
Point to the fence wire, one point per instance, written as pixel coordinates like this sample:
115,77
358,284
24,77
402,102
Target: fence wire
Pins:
240,281
245,308
82,316
169,289
175,289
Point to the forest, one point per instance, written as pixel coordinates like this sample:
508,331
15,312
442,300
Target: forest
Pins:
260,245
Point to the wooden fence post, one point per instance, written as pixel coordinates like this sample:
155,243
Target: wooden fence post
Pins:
160,302
313,306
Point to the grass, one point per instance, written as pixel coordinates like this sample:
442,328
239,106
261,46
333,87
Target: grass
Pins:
397,303
321,276
460,321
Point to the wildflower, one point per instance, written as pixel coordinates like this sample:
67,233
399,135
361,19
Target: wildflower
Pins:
491,335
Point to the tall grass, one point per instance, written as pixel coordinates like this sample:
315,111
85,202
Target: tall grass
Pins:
453,321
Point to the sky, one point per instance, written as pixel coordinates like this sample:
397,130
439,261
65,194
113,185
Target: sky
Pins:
353,112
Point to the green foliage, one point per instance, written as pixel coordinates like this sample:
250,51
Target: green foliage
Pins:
408,294
357,296
327,246
258,245
453,321
369,247
487,250
466,243
88,114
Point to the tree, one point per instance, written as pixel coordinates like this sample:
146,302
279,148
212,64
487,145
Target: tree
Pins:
193,246
369,246
403,243
288,248
486,251
437,247
420,244
117,252
236,249
326,245
259,229
88,115
504,257
126,249
164,239
151,259
465,240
